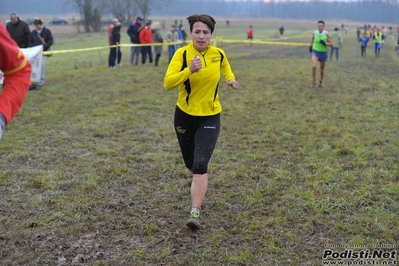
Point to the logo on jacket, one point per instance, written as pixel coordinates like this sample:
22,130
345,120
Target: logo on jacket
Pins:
215,60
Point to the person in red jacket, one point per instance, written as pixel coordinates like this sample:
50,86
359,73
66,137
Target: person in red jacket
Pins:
145,37
17,71
250,34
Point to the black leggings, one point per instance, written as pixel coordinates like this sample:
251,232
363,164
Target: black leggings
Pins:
197,136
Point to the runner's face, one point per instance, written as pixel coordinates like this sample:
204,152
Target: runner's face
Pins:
201,35
320,26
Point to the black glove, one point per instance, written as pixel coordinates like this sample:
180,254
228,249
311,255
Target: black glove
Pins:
323,42
310,49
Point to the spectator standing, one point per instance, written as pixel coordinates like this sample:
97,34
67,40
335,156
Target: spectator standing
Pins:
116,54
337,43
110,28
133,31
145,37
171,36
17,71
398,47
180,34
18,30
184,34
281,31
250,34
40,36
358,32
157,38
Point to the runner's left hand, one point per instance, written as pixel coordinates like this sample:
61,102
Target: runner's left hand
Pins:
234,84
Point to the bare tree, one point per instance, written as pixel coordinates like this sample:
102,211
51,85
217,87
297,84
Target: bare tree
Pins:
145,6
91,12
124,10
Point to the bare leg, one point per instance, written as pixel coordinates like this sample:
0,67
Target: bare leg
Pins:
314,65
199,187
322,65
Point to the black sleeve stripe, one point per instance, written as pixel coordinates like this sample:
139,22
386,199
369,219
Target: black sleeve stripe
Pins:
184,60
187,82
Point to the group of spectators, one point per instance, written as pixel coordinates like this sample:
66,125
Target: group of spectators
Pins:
146,40
19,31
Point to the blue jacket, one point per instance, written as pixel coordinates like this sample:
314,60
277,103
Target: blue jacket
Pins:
364,40
133,32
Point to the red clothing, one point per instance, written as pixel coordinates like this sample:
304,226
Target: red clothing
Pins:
110,27
250,32
17,71
145,35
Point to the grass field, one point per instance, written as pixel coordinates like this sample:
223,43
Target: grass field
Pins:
91,172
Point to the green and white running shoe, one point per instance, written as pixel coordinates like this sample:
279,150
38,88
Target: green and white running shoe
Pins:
194,221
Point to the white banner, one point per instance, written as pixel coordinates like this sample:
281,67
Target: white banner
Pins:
34,55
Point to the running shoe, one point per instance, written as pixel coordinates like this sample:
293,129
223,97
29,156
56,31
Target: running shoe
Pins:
320,84
194,221
313,83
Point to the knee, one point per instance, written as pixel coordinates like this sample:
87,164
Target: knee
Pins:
200,167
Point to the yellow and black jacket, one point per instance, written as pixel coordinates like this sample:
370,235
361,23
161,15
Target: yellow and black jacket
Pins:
198,92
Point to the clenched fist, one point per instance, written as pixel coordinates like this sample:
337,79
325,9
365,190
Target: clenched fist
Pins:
196,64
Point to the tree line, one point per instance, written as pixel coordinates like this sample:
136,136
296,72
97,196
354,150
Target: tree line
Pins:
383,11
364,11
92,11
